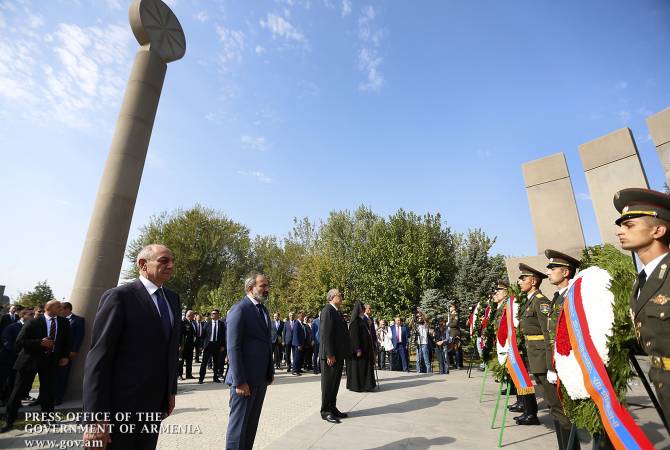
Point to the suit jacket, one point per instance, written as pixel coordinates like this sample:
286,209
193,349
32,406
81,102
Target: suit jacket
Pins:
333,334
249,345
315,330
77,329
404,335
132,365
220,335
188,331
32,356
277,331
7,320
8,352
288,331
650,311
298,337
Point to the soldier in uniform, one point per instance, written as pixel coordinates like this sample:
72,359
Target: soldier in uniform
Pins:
560,270
533,322
455,335
644,227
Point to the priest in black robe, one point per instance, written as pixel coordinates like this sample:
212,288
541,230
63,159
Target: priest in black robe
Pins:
361,366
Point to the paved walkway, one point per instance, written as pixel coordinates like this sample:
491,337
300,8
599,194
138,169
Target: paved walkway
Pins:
410,411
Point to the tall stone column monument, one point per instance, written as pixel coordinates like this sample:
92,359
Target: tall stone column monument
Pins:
161,40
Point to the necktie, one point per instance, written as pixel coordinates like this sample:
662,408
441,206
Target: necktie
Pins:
165,313
556,295
641,280
52,332
214,330
260,312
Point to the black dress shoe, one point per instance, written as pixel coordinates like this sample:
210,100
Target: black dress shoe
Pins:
216,380
521,417
331,418
517,407
340,415
529,420
200,381
296,374
288,370
190,377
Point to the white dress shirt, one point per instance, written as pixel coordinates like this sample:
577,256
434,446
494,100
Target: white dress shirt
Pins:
151,289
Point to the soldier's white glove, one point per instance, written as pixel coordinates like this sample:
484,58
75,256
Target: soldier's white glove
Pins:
552,377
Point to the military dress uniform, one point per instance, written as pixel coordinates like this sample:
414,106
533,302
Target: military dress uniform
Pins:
650,299
533,322
561,422
454,333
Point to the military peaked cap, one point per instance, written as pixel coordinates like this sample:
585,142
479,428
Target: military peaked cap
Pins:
635,202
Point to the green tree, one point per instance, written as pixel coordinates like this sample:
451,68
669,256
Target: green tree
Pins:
477,271
40,294
211,251
433,304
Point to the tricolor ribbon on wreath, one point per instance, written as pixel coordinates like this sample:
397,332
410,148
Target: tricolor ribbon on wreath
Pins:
509,351
621,429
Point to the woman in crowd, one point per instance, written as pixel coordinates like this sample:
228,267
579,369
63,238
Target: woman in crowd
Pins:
361,366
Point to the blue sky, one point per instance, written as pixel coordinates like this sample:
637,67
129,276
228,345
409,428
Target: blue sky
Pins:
289,108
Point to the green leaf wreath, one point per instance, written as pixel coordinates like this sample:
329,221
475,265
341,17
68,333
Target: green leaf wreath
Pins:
584,413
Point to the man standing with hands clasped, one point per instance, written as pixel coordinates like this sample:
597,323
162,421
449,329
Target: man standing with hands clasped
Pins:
334,337
250,362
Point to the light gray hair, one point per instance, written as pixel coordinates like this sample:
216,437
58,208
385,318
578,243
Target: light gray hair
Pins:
147,253
250,281
331,294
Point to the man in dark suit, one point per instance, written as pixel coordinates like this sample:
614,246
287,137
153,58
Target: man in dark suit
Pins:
11,317
77,330
315,338
187,344
277,339
399,337
334,348
288,340
9,353
250,358
214,342
44,345
198,336
131,367
298,343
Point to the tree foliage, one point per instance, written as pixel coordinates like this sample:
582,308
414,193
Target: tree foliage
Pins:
40,294
390,262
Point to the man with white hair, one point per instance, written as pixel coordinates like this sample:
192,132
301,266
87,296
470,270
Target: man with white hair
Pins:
130,373
250,368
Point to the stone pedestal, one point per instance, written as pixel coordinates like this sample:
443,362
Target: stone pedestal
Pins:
611,163
659,128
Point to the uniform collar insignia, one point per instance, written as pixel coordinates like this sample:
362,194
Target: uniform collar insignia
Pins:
661,299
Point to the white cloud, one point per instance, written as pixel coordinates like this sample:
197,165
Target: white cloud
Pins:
260,50
621,85
68,76
258,143
201,16
233,46
113,4
346,7
171,3
369,61
280,27
623,116
260,176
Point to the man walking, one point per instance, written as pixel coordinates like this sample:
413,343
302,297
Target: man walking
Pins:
131,367
250,362
214,342
335,346
188,336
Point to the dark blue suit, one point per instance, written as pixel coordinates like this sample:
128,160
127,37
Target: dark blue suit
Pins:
298,342
250,362
315,337
401,347
8,354
63,373
212,349
288,342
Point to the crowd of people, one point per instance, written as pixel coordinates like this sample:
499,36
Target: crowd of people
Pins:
41,341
